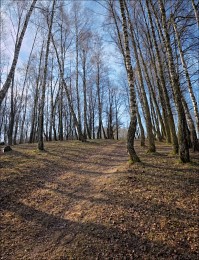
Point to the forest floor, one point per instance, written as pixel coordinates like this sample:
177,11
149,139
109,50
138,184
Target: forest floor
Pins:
84,201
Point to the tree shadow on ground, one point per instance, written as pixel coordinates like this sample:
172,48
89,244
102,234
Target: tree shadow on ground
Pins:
116,242
44,231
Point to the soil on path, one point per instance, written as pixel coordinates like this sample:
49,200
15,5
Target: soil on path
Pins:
83,201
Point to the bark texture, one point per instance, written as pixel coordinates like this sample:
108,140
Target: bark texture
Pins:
193,98
8,81
42,103
182,124
133,105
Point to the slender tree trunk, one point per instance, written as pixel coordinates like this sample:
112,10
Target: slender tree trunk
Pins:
47,117
142,89
162,100
85,95
149,79
182,124
142,135
151,90
133,105
99,131
61,134
77,78
22,94
21,140
195,11
194,140
5,129
163,85
93,124
34,120
54,127
12,115
36,98
193,99
76,123
16,127
51,105
3,117
117,125
155,120
116,118
7,83
110,134
42,103
104,133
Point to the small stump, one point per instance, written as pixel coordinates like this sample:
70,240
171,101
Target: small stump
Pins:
6,149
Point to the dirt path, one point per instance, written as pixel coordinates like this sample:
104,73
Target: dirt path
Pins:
82,201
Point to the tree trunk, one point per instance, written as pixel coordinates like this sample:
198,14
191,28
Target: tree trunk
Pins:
36,98
195,11
193,99
22,93
12,115
77,73
99,131
116,119
3,119
151,91
21,140
142,135
60,105
143,92
42,103
7,83
85,95
133,105
194,140
76,123
182,124
163,85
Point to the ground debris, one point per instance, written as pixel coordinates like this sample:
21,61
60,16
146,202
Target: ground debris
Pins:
82,202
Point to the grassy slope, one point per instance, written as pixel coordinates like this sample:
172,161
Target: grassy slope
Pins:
83,201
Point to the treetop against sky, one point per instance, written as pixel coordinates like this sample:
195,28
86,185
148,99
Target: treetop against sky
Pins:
93,8
123,61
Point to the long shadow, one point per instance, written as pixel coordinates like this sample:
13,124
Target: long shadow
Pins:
104,160
154,209
14,155
127,242
176,181
68,154
36,178
177,173
19,186
150,208
167,168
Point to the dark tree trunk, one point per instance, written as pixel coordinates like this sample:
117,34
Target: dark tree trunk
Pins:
182,123
142,135
42,102
12,115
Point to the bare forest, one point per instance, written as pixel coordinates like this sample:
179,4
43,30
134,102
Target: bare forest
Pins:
99,129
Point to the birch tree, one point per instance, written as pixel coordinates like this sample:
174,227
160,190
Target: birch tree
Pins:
130,74
42,102
182,123
18,44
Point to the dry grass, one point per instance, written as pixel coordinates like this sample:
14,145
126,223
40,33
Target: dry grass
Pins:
83,201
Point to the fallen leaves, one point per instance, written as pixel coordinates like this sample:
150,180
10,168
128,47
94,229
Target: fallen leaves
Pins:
84,201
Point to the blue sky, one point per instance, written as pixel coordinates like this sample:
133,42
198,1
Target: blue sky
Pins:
99,14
